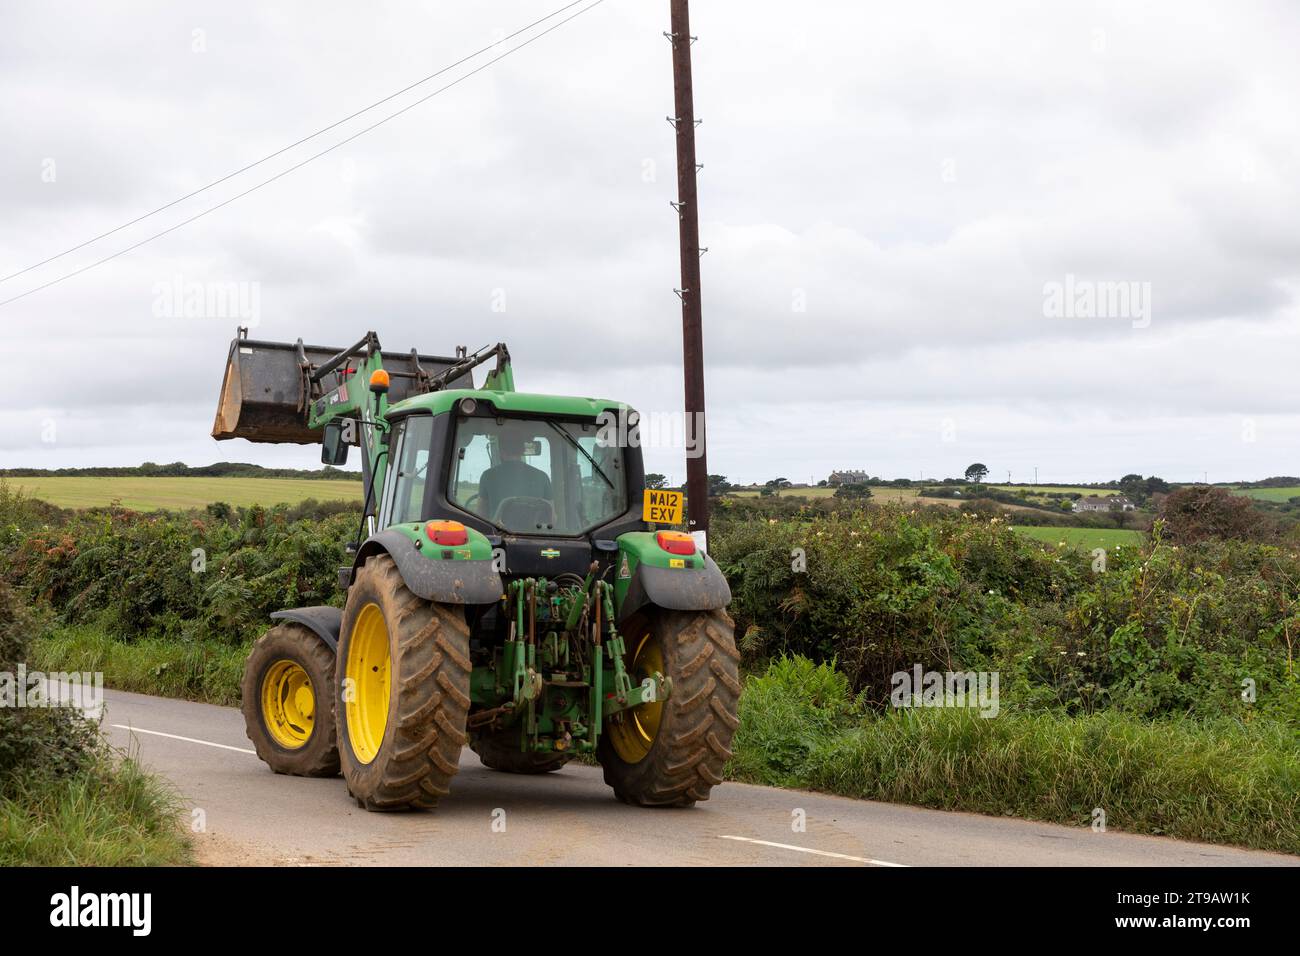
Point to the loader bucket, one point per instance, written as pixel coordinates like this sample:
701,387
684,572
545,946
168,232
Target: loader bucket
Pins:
267,387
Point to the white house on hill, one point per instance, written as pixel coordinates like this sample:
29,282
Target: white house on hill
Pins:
1108,503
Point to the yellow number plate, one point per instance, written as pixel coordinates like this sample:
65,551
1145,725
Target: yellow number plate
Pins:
662,507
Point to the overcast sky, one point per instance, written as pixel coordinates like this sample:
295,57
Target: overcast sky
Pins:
891,196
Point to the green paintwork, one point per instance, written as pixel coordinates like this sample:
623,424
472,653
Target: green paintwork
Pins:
508,402
500,381
640,547
543,684
476,548
354,399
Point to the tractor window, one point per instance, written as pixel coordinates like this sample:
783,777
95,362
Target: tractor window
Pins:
412,460
474,458
596,497
536,476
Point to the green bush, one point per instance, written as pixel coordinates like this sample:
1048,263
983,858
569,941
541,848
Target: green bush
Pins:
210,577
786,715
35,742
65,798
884,589
1162,631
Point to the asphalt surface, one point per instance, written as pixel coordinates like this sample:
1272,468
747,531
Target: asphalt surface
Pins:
249,815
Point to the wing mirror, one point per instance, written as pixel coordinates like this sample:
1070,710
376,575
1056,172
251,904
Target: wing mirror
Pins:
334,446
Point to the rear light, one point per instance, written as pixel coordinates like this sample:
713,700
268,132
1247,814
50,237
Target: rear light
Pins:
450,533
676,542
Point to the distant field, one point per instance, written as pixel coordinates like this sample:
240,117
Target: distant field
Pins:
1280,495
1086,538
800,493
151,494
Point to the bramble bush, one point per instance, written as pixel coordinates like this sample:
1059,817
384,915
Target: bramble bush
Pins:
886,589
194,576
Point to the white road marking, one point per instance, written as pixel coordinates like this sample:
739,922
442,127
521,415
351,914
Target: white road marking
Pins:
805,849
188,740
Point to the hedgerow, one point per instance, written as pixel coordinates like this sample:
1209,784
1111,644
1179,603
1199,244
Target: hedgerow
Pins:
1207,630
210,576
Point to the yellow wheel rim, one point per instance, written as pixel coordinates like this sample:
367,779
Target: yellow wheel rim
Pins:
288,704
366,692
633,732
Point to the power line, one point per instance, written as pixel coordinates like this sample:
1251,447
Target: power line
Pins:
293,145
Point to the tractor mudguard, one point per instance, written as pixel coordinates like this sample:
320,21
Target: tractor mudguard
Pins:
699,589
430,577
322,620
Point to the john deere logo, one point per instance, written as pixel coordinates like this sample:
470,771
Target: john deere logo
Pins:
550,553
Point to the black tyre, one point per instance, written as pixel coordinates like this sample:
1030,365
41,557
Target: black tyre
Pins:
672,753
288,702
500,751
403,676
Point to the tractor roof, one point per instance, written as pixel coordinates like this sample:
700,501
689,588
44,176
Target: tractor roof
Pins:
520,402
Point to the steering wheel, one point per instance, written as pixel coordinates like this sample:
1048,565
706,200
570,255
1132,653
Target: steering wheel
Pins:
541,506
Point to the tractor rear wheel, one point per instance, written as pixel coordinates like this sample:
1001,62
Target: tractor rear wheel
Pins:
500,751
671,753
288,702
403,673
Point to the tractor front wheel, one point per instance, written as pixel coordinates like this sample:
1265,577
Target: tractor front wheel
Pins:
671,753
403,677
288,702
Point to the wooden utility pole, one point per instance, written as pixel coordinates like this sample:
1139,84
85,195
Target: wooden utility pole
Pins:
687,206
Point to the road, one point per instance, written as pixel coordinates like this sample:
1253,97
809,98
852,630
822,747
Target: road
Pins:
252,816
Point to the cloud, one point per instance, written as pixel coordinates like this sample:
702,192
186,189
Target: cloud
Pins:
885,193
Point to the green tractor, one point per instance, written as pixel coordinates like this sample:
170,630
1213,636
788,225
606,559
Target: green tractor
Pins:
508,590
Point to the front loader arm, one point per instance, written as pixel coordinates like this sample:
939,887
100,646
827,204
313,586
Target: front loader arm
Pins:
356,399
352,397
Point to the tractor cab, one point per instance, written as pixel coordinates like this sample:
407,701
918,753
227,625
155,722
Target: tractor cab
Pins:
542,477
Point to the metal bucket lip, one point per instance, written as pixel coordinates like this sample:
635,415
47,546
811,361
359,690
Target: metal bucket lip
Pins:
388,354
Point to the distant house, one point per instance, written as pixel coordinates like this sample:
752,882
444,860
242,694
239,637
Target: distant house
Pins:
1108,503
850,477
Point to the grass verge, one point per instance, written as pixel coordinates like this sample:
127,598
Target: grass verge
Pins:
1217,781
111,813
190,670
